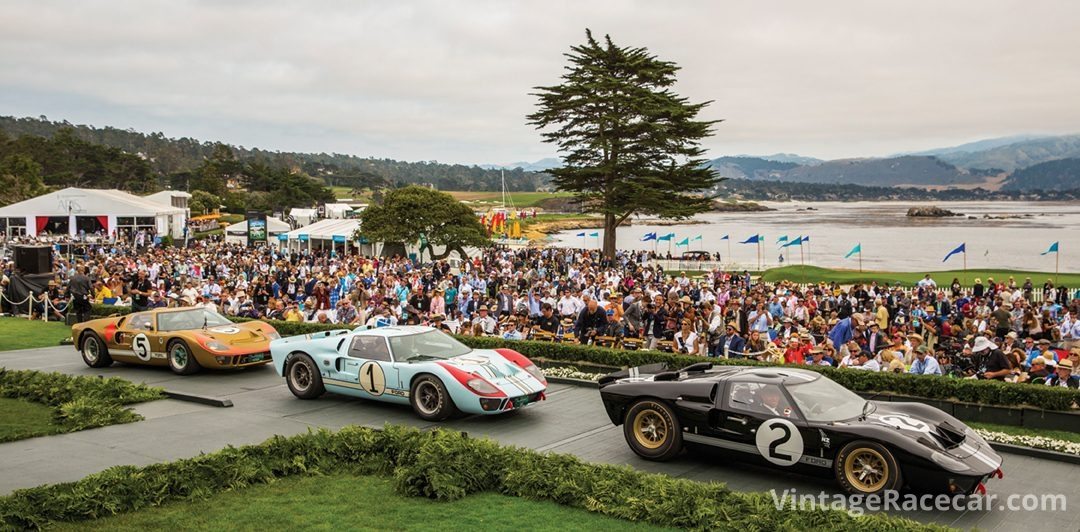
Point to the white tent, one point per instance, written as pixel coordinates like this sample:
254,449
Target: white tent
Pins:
237,232
74,210
304,216
172,198
324,233
338,210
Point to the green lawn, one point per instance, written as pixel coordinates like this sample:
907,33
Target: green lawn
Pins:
345,193
354,503
813,274
1021,431
21,333
21,419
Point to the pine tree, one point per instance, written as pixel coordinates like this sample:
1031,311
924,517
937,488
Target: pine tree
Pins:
629,144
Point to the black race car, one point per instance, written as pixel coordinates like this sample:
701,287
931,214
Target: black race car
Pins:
795,418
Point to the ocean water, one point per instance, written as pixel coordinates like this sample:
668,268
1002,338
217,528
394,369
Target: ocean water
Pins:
890,240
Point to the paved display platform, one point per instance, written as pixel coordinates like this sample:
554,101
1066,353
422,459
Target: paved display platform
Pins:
572,420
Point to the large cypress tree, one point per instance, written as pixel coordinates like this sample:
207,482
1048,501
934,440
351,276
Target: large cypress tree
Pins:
629,144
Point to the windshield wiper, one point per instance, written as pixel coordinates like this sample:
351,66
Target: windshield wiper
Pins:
421,357
865,410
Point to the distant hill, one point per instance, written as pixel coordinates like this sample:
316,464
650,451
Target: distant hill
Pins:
1062,174
977,146
172,156
788,158
1016,155
743,167
906,170
542,165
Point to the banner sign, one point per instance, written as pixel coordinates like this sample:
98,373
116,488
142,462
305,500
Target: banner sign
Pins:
256,227
339,239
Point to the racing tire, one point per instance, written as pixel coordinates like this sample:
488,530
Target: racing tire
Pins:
303,377
181,360
430,400
94,352
864,467
652,430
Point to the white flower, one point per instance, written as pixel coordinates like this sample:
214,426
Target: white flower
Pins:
570,372
1037,442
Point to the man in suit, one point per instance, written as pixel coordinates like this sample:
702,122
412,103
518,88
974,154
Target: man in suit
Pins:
505,304
738,316
731,345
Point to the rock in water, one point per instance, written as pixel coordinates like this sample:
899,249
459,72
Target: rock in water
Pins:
931,212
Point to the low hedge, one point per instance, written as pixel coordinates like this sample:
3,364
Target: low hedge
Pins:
438,465
930,387
79,402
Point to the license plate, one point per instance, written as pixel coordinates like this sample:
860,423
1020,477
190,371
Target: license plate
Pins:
520,401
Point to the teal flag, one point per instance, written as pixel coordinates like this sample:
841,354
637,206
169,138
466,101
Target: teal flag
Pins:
683,242
781,239
668,236
797,242
854,250
696,238
1053,249
596,235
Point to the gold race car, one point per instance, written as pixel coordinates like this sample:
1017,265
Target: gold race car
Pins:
185,339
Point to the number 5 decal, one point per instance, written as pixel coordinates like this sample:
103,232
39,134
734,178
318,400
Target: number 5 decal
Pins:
778,440
372,379
141,346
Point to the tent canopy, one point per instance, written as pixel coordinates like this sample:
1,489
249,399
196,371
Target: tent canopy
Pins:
326,230
273,227
88,202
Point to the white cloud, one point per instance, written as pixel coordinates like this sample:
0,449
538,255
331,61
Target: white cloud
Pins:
450,80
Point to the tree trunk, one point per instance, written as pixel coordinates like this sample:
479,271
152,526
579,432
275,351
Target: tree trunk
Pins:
609,235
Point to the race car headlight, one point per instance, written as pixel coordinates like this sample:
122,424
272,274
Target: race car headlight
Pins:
481,386
535,372
948,462
215,345
273,335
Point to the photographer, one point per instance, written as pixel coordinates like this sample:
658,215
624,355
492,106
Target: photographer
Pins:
990,361
591,322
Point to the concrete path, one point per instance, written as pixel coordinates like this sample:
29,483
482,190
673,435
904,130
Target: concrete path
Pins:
572,420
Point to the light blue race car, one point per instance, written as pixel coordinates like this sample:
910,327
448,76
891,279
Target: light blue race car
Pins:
438,375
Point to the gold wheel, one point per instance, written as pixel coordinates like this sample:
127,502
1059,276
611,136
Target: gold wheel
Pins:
651,429
866,470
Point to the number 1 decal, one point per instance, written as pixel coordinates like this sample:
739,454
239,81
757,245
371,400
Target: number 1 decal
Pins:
779,441
372,379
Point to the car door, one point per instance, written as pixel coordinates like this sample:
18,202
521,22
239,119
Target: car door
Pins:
762,419
133,336
368,363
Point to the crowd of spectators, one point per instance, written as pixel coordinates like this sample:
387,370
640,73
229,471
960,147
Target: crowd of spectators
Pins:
1004,329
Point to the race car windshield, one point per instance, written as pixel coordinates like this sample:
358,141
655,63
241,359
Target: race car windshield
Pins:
190,319
430,345
823,400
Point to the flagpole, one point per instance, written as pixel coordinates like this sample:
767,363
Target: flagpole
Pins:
1057,262
860,257
802,259
965,264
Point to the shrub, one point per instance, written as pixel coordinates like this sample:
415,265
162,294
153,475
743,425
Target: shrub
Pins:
438,464
79,402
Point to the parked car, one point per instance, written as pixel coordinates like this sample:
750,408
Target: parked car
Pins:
796,418
185,339
420,366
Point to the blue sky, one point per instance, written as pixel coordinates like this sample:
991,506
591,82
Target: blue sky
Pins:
450,80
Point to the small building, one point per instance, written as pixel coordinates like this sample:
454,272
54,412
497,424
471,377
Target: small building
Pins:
74,211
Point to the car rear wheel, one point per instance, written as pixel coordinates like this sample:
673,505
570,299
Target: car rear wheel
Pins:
303,377
181,360
94,352
430,399
652,430
865,467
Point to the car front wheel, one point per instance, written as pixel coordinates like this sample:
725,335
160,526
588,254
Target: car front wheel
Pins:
865,467
430,400
181,361
94,352
652,430
303,377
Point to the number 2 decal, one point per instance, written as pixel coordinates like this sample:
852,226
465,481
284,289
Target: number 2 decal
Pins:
779,442
372,379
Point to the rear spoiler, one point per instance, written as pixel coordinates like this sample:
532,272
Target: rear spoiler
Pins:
659,372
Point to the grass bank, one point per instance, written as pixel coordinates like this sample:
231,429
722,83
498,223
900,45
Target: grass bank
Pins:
343,502
21,419
494,198
814,274
21,333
